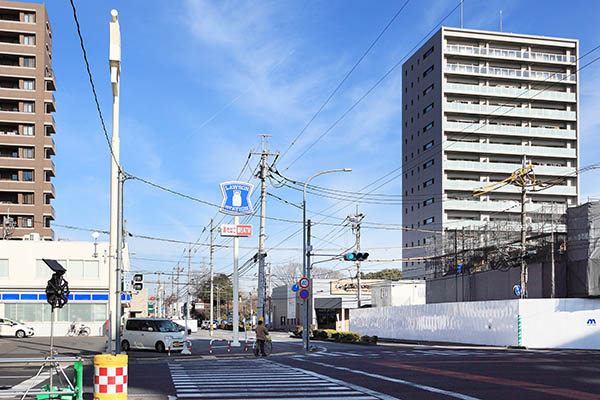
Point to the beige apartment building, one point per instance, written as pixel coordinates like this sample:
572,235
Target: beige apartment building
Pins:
475,106
26,122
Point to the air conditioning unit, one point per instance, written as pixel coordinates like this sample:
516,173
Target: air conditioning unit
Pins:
32,236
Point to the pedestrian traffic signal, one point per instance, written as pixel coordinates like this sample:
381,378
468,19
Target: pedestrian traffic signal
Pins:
138,282
355,256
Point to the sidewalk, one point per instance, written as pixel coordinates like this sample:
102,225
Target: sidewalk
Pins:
77,346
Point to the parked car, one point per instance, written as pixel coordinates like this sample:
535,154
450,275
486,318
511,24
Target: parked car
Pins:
152,333
8,327
181,328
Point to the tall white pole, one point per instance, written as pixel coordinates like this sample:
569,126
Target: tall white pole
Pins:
212,280
236,290
115,74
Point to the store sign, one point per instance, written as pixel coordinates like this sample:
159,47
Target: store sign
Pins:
232,230
351,286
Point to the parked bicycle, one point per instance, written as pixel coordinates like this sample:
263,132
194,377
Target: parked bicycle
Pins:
78,331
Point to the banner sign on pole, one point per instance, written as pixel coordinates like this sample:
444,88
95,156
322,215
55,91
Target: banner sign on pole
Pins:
236,198
232,230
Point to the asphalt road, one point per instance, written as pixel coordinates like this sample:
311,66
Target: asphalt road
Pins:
346,371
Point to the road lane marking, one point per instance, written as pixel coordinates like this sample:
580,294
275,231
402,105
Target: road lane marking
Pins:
537,387
400,381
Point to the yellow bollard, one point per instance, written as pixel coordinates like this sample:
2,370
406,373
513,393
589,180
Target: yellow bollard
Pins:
110,377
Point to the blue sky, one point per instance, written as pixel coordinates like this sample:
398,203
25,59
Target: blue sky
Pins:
200,80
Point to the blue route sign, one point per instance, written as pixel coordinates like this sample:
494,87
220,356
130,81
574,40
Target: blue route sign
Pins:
295,287
236,198
517,290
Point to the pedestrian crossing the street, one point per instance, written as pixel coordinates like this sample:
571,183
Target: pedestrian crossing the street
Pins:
260,379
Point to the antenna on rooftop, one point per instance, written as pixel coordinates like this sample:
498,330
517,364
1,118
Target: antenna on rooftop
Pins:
500,20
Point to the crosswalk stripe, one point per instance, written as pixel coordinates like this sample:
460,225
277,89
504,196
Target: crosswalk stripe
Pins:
274,382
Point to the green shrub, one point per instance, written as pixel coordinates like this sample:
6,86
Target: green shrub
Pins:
374,339
349,337
298,331
365,339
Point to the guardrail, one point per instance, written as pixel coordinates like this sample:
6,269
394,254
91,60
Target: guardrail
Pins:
210,345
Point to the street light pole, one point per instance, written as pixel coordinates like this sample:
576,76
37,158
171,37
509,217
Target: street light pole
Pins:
115,182
305,267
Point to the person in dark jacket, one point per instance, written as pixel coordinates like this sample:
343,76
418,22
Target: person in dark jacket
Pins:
261,336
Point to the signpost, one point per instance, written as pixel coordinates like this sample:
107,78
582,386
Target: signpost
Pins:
236,202
231,230
304,283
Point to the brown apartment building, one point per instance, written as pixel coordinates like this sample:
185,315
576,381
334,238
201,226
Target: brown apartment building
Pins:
26,122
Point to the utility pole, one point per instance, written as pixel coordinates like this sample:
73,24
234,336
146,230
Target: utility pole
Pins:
115,183
356,219
157,309
218,303
212,278
177,309
553,293
262,175
523,238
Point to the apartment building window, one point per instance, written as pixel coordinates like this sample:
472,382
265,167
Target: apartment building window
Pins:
428,164
428,89
428,183
428,221
28,152
428,108
28,130
29,17
47,222
428,71
47,176
427,53
427,146
28,106
29,62
29,40
27,222
28,176
428,127
428,202
27,198
47,198
28,84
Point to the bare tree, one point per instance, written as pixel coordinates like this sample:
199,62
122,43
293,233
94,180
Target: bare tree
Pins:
289,274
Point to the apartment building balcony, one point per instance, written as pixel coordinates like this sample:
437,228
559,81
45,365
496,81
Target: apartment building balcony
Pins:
515,112
471,70
508,130
50,83
49,188
50,167
471,186
502,206
505,168
499,91
510,149
50,105
49,126
49,211
503,54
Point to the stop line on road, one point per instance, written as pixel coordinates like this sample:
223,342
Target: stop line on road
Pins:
260,379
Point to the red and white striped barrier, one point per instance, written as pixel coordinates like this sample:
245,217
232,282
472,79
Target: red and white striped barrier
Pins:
210,345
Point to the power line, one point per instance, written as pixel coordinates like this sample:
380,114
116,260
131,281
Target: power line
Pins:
345,78
371,89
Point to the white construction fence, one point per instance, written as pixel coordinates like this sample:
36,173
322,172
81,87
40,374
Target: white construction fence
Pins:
532,323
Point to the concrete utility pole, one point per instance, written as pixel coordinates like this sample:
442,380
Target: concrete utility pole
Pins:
356,219
115,178
262,175
158,298
212,278
523,238
177,308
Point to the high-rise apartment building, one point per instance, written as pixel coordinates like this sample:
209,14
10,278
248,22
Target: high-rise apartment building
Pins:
26,122
475,105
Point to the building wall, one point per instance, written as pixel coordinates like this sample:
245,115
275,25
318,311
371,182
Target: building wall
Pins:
24,276
497,97
398,293
544,323
16,120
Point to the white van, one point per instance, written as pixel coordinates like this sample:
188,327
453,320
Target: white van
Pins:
8,327
152,333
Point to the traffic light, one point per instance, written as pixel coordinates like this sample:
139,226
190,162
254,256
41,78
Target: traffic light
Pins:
356,256
138,282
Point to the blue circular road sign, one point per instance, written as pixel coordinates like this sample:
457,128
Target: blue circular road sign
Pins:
295,287
517,290
304,294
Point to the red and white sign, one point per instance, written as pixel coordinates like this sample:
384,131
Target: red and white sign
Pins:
304,283
236,230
